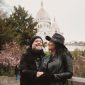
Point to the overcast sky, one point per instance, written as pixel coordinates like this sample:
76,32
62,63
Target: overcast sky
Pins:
69,14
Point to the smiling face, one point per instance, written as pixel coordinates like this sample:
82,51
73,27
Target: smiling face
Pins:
51,46
37,44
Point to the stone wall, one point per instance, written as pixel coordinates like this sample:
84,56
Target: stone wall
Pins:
4,80
77,81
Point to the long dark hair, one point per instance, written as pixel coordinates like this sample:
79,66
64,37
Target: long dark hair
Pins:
61,49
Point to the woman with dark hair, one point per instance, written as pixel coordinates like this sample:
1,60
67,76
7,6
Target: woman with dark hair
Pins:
30,62
57,68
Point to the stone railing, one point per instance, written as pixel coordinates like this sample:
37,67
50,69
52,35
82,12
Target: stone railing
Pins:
4,80
77,81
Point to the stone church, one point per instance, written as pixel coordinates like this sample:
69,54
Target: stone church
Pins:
45,26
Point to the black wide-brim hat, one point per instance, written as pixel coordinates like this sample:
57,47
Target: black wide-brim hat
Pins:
58,38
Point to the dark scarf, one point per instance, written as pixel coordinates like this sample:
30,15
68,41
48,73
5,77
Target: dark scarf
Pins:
35,53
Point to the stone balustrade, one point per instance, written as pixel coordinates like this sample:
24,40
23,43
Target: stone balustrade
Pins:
4,80
77,81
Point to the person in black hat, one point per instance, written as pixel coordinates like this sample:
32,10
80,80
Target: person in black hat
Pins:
30,62
58,67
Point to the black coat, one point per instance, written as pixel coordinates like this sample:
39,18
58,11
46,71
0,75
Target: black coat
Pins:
17,72
29,65
57,70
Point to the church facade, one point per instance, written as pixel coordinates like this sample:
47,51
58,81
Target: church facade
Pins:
45,26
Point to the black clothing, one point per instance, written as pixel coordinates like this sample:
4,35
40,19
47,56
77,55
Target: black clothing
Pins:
29,65
17,70
57,69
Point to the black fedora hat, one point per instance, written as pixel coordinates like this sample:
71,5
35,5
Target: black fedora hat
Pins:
56,38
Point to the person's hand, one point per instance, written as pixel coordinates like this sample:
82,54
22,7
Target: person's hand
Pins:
39,74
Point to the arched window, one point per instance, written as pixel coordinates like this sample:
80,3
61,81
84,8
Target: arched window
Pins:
47,26
44,33
40,25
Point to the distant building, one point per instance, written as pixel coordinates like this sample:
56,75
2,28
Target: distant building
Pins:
75,45
45,26
48,27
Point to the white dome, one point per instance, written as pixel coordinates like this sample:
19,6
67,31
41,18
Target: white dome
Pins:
42,15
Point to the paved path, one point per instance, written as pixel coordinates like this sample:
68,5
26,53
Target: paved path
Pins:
14,83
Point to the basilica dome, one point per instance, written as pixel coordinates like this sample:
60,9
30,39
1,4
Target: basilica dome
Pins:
42,15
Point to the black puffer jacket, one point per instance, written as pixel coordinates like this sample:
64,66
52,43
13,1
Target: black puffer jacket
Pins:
29,65
57,70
